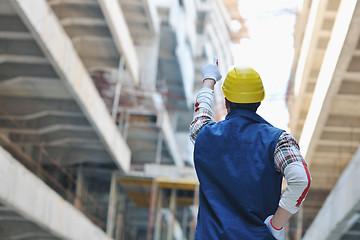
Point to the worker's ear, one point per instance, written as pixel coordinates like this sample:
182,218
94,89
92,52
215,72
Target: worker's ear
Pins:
227,106
226,103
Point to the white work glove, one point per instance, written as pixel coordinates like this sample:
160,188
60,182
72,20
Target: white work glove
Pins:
211,71
278,234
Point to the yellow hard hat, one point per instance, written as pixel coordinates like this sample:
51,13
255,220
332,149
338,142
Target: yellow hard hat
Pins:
243,85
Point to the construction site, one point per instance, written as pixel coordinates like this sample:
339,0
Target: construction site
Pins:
96,99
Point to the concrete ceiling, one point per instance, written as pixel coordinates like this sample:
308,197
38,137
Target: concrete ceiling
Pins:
326,112
141,17
23,229
34,97
53,119
42,123
85,24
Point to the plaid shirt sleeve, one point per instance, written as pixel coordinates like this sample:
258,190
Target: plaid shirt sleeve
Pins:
289,161
201,118
286,151
204,112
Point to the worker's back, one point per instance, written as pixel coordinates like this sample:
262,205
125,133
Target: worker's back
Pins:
239,186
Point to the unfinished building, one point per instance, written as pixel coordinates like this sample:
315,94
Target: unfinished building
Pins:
95,101
324,95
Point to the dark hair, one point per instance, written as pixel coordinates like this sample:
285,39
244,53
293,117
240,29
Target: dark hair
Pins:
249,106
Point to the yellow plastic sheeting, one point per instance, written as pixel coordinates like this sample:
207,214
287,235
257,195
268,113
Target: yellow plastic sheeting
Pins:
180,184
142,198
131,181
167,183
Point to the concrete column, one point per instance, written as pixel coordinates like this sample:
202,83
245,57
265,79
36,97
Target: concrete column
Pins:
157,234
79,187
120,218
184,223
196,207
299,220
110,223
164,229
148,52
170,231
159,148
154,192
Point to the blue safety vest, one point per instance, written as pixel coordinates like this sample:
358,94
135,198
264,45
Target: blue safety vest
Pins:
239,186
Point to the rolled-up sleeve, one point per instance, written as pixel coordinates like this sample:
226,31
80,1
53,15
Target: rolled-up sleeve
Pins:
203,112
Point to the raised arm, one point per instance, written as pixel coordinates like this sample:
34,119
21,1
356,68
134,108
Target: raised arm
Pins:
205,100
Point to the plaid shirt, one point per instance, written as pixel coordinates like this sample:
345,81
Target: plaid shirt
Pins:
286,151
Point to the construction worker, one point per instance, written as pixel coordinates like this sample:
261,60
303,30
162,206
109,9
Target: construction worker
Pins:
240,163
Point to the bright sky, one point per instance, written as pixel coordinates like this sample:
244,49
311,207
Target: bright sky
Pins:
269,50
